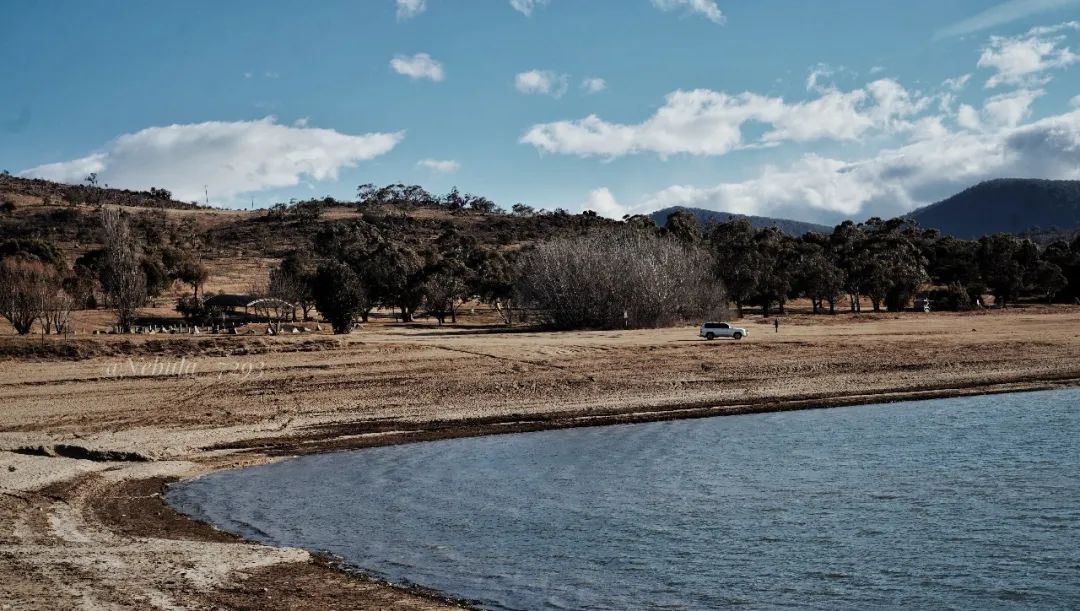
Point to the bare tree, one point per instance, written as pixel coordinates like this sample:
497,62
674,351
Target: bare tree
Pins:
21,288
123,279
608,279
291,281
55,303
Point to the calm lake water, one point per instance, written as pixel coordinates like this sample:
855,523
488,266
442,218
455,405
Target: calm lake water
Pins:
970,503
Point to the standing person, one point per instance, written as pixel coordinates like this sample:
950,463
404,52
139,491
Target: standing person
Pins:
776,324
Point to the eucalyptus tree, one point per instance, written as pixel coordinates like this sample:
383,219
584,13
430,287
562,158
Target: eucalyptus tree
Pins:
737,260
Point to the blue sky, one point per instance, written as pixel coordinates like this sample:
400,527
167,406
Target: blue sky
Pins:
810,110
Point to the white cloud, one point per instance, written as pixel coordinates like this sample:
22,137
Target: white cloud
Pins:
893,181
705,8
956,84
418,66
526,7
706,122
1002,13
877,70
820,73
407,9
441,166
1010,109
602,202
968,118
229,158
593,85
1023,60
544,82
1075,102
1004,110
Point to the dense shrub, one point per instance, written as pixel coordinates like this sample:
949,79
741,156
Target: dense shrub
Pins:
953,297
338,294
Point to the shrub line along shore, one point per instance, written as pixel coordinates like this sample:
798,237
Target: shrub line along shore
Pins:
87,457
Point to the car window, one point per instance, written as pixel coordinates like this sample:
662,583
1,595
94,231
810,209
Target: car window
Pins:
724,325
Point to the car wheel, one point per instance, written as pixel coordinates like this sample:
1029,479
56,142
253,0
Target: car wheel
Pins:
710,335
737,335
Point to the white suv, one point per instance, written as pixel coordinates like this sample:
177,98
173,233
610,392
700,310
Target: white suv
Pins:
713,330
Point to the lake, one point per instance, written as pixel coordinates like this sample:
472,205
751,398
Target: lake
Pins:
966,503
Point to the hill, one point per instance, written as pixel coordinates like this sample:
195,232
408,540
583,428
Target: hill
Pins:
239,245
704,217
1006,205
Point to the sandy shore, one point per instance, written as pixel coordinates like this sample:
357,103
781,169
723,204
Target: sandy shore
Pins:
88,444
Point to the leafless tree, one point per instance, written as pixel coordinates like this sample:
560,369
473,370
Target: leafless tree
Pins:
55,303
123,279
21,288
291,288
611,278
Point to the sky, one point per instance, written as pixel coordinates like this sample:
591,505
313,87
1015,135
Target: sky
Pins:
815,111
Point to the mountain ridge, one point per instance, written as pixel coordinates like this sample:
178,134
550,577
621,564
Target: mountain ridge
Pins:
1005,205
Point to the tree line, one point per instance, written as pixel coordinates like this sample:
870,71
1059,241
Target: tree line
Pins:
565,271
37,285
888,262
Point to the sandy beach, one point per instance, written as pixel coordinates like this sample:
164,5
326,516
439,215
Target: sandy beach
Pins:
90,436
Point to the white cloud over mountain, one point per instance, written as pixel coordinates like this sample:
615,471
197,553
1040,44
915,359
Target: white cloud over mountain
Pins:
893,181
602,202
228,158
930,146
419,66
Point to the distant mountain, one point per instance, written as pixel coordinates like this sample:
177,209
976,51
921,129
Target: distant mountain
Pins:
795,228
1006,205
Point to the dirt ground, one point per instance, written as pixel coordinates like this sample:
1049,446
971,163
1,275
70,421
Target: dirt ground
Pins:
90,437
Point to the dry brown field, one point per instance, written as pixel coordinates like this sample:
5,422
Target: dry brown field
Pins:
90,437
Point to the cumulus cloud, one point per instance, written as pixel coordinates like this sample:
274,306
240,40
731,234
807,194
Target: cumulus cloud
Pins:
542,82
526,7
706,8
1003,13
706,122
602,202
1075,102
440,166
229,158
407,9
896,180
593,85
1023,60
1011,108
418,66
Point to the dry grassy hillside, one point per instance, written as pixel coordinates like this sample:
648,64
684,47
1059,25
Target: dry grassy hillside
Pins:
239,245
